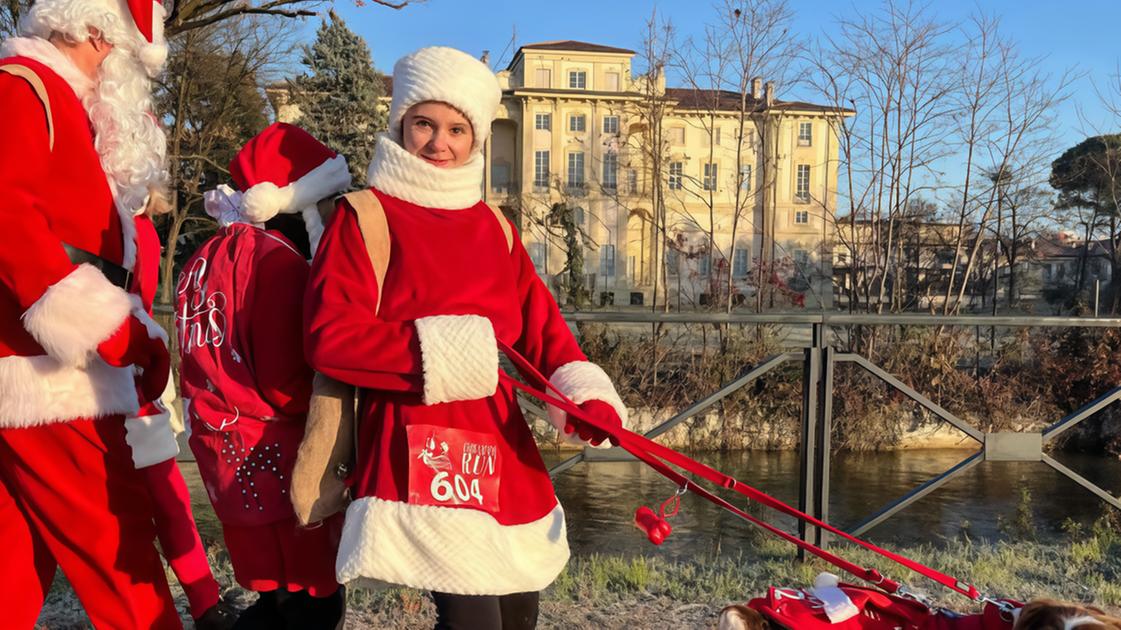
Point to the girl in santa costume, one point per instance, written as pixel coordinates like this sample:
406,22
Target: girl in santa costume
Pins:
244,377
450,491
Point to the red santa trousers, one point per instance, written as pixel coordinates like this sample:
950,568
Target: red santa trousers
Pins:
71,497
283,555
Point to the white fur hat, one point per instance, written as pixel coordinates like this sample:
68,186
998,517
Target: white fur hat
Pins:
450,76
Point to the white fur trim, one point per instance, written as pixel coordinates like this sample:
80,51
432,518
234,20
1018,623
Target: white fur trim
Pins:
151,439
155,331
76,314
168,399
449,550
582,381
451,76
396,172
39,390
460,357
266,200
49,55
313,223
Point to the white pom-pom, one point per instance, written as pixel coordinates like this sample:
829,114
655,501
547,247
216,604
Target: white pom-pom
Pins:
153,56
264,201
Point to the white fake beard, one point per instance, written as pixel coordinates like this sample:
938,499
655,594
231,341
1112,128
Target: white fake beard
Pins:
128,139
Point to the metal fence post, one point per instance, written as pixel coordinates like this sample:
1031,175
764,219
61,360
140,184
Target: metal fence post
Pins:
808,455
824,437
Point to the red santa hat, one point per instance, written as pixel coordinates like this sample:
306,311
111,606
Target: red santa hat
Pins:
451,76
285,170
135,25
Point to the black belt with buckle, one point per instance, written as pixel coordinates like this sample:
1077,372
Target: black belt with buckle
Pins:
113,272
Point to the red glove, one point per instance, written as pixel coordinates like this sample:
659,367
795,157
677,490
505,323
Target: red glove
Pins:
599,410
131,345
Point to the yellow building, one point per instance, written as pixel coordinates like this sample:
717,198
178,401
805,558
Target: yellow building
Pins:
574,128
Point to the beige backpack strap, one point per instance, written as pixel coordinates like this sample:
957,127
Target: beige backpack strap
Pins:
27,74
506,229
375,234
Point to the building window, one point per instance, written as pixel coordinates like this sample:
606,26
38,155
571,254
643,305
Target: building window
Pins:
716,136
607,260
578,219
611,124
537,255
745,177
500,177
801,261
612,81
704,265
610,170
677,135
802,190
541,170
801,217
676,179
739,263
632,181
543,122
672,261
710,177
544,78
576,172
577,122
578,80
805,134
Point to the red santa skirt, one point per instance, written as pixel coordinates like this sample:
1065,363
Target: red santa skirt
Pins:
283,555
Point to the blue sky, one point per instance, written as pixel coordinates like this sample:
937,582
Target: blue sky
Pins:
1072,35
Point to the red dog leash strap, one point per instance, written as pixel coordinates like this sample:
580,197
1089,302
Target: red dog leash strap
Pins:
653,454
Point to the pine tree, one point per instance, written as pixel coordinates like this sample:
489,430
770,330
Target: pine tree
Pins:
338,98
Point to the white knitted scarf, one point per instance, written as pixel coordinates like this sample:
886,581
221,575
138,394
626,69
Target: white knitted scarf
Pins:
398,173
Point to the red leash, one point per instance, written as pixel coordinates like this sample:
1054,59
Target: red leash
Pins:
658,457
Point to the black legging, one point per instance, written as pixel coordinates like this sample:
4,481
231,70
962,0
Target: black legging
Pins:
486,612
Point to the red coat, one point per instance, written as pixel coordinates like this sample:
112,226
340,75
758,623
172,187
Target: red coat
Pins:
452,494
53,314
243,371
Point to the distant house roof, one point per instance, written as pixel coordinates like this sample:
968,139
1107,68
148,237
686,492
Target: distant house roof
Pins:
574,46
691,98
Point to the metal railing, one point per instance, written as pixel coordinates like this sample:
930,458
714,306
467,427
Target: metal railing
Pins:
818,362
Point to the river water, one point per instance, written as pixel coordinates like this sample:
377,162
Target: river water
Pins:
600,498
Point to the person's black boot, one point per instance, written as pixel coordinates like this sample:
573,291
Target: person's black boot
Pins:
304,612
263,614
220,616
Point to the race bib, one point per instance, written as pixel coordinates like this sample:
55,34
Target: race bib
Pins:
453,467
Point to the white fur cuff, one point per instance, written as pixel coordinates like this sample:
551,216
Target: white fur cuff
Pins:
460,357
76,314
449,550
151,439
39,390
582,381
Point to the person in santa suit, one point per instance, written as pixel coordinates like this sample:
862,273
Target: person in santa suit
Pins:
451,494
244,375
78,153
151,435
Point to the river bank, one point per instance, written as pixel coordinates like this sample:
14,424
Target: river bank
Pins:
647,591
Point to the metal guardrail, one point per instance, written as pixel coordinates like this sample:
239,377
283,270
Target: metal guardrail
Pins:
818,362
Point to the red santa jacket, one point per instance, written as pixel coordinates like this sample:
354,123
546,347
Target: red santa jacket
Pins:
451,492
238,317
53,314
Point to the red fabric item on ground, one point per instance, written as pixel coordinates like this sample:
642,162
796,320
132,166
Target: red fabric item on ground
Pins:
178,536
283,555
71,496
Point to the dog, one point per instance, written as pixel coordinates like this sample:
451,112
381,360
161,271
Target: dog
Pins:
1049,614
740,617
